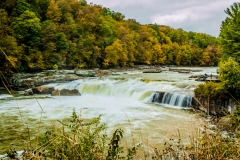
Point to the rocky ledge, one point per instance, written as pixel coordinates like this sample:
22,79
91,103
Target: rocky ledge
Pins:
65,92
52,91
23,81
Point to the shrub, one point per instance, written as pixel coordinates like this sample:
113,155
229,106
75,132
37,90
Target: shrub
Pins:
230,76
55,67
211,90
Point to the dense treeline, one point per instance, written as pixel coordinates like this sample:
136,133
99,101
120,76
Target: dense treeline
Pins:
38,34
229,67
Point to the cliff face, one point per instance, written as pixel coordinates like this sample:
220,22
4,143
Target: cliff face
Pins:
218,108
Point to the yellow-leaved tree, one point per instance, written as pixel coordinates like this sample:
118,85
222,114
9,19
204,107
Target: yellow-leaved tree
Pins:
53,12
115,54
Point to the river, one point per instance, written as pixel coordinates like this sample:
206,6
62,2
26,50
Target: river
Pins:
125,99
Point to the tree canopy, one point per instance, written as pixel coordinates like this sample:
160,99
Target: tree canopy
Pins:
230,32
230,44
73,34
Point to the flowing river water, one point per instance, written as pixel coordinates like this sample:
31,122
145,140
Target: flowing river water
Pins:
125,99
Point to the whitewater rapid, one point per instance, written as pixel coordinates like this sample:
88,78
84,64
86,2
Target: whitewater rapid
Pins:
120,99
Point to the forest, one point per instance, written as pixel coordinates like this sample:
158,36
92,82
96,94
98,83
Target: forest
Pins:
71,34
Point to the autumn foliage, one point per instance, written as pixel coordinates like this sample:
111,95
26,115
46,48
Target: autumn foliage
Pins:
37,34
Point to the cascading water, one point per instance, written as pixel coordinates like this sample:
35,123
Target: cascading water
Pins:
130,89
179,100
120,102
6,97
172,99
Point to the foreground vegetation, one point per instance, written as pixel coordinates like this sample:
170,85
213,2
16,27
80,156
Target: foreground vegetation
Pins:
79,139
40,34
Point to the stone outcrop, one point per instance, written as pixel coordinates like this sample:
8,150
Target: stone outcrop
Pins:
42,90
217,108
23,81
65,92
194,76
214,77
180,70
158,96
86,73
101,73
28,92
152,71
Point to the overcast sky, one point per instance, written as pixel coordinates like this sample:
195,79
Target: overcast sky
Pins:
191,15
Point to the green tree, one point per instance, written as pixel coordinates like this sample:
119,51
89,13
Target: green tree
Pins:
158,56
205,60
186,54
230,76
27,28
61,42
71,33
115,54
10,52
83,2
21,7
53,12
230,32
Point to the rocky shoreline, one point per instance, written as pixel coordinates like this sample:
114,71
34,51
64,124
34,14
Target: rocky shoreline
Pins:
23,81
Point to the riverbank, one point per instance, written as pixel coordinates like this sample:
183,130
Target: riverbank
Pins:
120,96
23,81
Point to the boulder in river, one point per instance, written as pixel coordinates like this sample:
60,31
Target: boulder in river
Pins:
28,92
65,92
152,71
42,90
86,73
194,76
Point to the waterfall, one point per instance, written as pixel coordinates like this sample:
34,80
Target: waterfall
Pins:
6,97
133,89
157,97
172,99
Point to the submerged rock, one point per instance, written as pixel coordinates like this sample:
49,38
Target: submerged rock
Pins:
42,90
152,71
194,76
86,73
65,92
157,97
28,92
184,71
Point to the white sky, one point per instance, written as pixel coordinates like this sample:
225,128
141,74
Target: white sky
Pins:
191,15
